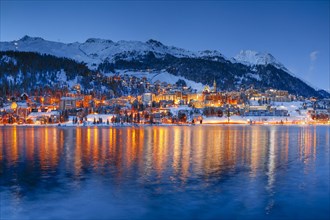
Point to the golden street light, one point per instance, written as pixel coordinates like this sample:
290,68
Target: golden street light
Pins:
13,106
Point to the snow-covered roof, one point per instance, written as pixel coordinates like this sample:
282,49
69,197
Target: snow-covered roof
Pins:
69,98
254,107
40,114
282,108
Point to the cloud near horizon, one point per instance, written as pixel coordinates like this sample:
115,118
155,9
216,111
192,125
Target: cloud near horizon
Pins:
313,57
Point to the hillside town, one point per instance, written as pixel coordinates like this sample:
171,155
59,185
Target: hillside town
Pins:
162,103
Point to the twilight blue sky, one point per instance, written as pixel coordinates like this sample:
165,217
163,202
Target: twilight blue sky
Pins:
295,32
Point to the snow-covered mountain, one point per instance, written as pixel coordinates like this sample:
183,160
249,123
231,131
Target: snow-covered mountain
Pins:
95,51
250,57
248,68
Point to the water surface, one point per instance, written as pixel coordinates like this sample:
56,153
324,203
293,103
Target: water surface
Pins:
179,172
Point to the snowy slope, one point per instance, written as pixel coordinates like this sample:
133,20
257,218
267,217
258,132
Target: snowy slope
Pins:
172,79
162,76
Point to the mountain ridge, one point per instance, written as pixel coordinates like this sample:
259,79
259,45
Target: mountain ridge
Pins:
24,44
248,68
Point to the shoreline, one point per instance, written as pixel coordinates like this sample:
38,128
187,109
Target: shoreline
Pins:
159,125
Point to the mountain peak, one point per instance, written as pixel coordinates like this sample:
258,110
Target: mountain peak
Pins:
154,43
97,40
29,38
211,53
250,57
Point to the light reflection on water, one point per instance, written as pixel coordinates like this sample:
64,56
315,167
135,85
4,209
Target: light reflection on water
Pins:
164,172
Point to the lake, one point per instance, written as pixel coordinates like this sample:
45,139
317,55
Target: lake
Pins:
165,172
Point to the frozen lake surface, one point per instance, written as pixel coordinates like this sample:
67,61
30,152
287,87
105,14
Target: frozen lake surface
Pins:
165,172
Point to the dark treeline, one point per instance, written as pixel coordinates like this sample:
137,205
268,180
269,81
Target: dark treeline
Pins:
228,75
36,73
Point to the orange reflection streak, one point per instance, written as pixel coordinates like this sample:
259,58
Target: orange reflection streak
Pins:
84,147
327,139
185,154
88,147
314,143
255,151
46,138
114,143
176,149
214,151
140,138
104,152
307,145
165,143
78,153
118,156
95,148
115,154
246,144
160,148
228,148
54,148
135,142
2,136
21,142
223,141
300,143
49,147
260,140
216,148
155,149
280,135
286,144
147,155
15,149
241,142
197,156
129,156
219,150
60,141
133,150
235,146
147,146
111,138
30,144
42,154
207,154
